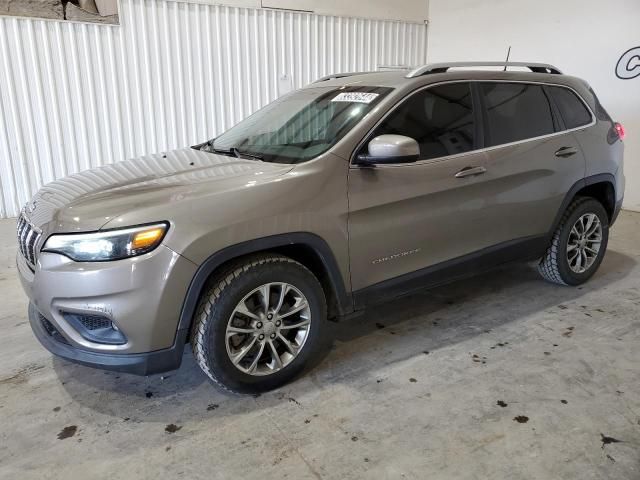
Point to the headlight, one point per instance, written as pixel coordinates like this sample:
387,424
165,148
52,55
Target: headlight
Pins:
107,245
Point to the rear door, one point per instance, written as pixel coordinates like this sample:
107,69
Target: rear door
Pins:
532,158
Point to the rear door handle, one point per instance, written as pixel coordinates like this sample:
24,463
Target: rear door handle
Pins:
566,152
469,171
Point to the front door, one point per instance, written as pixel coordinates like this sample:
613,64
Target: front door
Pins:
405,217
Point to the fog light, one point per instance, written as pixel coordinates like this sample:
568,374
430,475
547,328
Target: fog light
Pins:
95,328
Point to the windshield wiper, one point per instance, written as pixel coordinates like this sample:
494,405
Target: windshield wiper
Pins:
232,152
241,154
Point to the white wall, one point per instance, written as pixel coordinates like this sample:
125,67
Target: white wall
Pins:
407,10
76,96
581,37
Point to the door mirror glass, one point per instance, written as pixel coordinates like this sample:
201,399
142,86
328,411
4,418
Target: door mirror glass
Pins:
385,149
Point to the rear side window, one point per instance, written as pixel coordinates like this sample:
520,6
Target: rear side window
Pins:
573,110
515,111
439,118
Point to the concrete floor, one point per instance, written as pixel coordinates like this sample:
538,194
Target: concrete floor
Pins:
502,376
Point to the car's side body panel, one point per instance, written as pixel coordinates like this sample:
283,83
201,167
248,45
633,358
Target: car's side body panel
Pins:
520,249
408,217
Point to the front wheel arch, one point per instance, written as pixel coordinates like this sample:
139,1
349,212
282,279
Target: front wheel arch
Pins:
307,248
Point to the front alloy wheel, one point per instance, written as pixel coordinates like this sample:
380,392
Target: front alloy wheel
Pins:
259,323
268,328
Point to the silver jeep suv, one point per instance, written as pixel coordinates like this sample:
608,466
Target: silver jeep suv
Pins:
351,191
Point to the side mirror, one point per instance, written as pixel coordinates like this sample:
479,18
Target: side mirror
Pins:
387,149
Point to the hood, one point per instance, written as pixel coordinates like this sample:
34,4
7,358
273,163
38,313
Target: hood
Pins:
91,199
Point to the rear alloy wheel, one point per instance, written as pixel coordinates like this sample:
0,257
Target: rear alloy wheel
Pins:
583,245
578,244
259,323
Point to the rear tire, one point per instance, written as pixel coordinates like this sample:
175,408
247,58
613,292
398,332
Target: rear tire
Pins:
259,323
578,244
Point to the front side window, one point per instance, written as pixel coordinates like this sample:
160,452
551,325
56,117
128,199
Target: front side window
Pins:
514,112
573,111
439,118
301,125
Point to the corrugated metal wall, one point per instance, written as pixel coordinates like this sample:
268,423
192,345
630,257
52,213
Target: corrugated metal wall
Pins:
75,96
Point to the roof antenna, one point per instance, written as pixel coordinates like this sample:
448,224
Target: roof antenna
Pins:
507,60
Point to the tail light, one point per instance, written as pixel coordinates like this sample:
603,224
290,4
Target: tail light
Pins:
619,130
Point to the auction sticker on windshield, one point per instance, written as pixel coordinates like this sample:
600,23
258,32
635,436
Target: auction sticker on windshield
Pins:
359,97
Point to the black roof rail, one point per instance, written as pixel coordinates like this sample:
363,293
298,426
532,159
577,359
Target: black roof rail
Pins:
443,67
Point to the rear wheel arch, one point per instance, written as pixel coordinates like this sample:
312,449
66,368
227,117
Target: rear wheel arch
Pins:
306,248
603,191
601,187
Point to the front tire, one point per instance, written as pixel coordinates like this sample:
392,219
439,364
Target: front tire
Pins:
578,245
259,324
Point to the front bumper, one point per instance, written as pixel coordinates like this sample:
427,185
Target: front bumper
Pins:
140,297
136,363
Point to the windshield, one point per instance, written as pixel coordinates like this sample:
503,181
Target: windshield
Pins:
299,126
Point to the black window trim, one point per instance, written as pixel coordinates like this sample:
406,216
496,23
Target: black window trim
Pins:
479,118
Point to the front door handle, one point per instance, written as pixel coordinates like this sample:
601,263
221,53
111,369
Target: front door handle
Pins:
565,152
469,171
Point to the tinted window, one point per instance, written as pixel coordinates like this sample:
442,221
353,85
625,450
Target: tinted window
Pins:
573,111
440,119
515,111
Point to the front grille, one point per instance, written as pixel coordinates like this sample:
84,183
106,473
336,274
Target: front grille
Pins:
28,238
